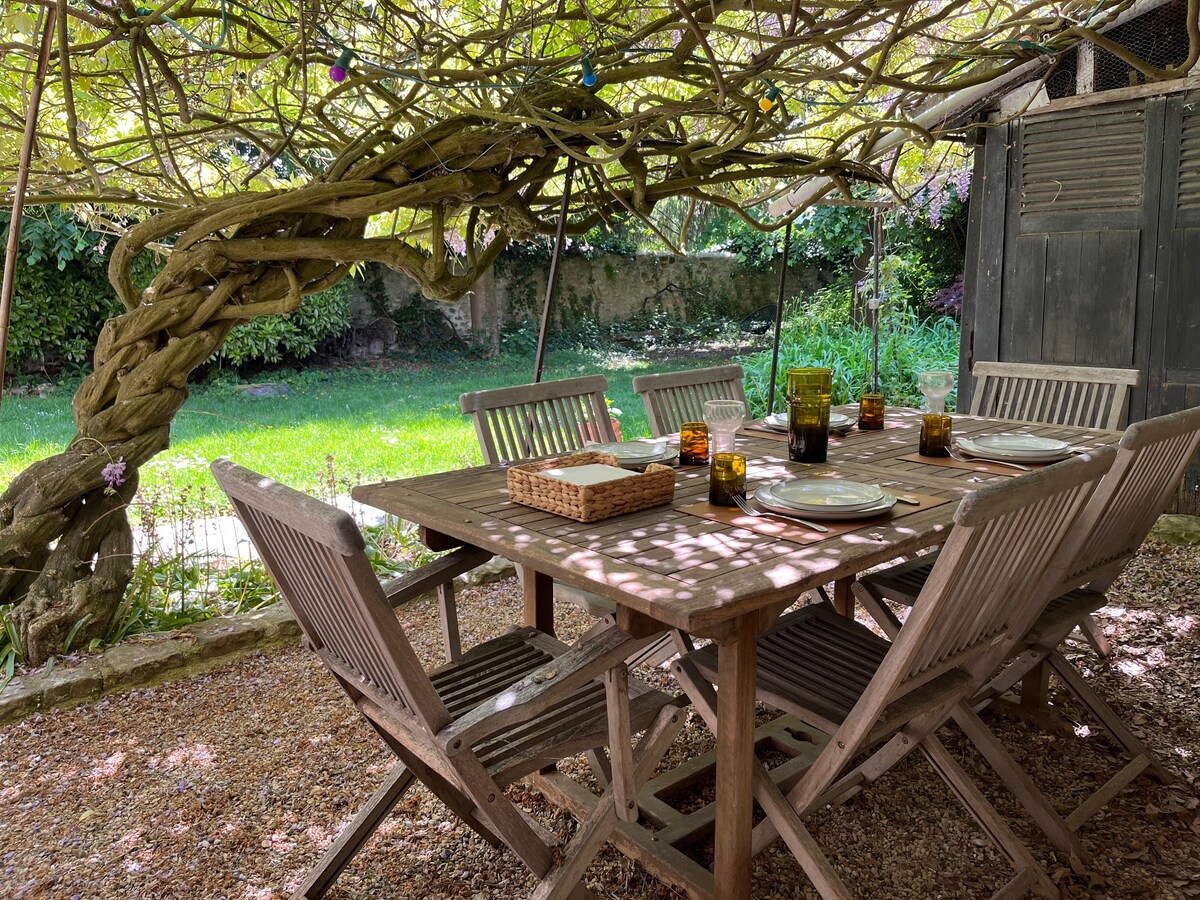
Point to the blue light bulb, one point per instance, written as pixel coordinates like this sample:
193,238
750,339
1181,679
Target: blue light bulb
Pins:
589,74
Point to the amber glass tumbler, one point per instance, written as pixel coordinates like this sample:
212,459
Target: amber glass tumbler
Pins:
935,434
870,412
693,444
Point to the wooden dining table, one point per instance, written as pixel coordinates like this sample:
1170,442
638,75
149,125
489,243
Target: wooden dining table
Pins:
715,574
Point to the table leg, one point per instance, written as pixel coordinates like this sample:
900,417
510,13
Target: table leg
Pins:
1035,689
843,599
539,599
735,765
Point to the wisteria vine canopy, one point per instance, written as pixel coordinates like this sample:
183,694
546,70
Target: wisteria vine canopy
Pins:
271,144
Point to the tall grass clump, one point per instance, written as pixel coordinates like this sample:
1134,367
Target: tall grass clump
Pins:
908,344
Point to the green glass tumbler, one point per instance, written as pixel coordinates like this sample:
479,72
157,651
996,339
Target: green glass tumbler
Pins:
808,394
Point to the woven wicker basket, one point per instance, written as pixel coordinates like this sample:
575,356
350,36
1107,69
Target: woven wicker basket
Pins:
590,502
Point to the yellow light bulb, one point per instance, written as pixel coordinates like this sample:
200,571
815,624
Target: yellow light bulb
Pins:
766,104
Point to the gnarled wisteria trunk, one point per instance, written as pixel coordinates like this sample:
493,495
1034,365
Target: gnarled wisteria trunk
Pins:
65,541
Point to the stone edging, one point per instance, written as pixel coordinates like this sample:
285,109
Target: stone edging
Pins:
138,663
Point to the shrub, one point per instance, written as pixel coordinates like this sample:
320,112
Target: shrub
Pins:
62,296
271,339
907,345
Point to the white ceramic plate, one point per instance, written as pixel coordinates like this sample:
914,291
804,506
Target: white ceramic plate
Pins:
765,499
779,421
635,451
972,449
667,459
825,493
1020,444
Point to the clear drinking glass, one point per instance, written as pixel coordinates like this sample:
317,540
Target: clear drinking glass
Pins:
723,418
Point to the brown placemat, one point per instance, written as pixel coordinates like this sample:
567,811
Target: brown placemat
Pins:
794,531
974,465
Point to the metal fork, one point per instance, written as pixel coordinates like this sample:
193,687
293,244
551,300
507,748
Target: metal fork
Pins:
957,454
744,505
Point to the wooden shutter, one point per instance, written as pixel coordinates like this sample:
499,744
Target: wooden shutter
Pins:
1083,169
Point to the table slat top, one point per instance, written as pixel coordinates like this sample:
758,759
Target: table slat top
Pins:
691,572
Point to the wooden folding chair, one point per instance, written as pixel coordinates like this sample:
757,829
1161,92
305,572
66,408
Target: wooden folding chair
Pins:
514,424
543,419
1087,396
677,397
1151,458
503,710
994,576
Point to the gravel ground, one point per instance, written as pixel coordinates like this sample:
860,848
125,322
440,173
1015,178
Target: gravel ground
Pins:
229,784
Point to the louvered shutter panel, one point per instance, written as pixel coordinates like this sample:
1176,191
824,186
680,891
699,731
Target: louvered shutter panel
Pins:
1082,169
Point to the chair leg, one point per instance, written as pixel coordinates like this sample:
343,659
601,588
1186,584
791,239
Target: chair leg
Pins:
1019,783
1106,715
877,609
449,611
564,880
1094,633
1029,873
353,836
798,839
442,789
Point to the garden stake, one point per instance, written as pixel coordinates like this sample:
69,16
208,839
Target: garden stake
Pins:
787,240
552,278
18,208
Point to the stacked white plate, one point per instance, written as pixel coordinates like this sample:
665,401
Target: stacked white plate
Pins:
837,422
638,453
1015,448
825,498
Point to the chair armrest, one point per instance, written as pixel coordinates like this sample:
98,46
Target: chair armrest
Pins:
542,688
444,568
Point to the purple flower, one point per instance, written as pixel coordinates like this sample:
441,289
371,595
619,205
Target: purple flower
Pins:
114,473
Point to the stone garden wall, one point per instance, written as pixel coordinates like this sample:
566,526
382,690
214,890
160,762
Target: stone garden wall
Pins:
604,288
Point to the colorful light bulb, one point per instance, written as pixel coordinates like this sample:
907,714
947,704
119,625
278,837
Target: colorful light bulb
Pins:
767,103
589,74
341,69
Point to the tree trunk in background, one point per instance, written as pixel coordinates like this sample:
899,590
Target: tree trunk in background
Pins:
486,315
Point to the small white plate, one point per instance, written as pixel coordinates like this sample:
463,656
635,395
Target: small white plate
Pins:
667,459
779,421
634,451
1020,444
825,493
972,449
765,499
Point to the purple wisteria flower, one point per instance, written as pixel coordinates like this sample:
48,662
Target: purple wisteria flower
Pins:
114,474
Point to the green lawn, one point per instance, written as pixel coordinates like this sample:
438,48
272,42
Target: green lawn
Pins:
334,429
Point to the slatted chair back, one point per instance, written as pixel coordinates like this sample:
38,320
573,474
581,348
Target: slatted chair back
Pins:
1151,460
677,397
994,576
314,553
1055,395
544,419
